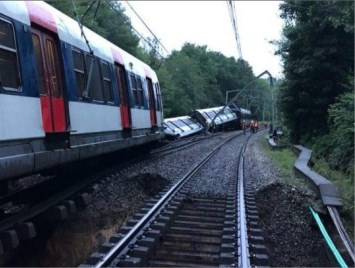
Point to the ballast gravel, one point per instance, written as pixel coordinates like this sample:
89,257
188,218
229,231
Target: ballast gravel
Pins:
213,179
292,239
290,235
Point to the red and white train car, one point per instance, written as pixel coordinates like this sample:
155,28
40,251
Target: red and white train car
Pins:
61,102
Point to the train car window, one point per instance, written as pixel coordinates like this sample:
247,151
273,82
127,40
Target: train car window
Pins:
94,80
53,65
205,115
106,76
188,121
179,123
211,114
170,125
157,88
134,89
177,126
9,71
121,85
140,92
39,62
79,72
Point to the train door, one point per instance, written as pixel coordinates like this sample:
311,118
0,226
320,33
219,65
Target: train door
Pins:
49,82
153,112
123,94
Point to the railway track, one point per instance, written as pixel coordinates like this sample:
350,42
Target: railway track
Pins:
177,228
57,198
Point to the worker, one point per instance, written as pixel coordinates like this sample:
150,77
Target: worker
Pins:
256,126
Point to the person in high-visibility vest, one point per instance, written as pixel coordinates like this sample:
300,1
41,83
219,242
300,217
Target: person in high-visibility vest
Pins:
244,126
256,126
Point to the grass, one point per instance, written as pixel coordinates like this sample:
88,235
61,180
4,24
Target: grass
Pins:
285,159
345,186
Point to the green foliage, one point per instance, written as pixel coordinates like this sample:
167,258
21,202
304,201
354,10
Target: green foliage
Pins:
345,184
283,159
192,78
318,54
195,78
338,146
110,21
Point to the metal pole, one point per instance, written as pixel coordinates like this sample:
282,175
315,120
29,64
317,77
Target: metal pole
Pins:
235,97
272,109
227,93
263,109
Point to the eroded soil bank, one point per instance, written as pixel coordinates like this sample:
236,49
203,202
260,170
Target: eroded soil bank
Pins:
291,235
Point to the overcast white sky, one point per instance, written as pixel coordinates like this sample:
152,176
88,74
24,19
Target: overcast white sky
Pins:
208,23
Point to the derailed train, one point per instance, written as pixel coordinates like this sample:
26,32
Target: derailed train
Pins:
62,100
201,119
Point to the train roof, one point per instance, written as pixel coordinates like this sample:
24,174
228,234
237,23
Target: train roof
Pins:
215,109
235,108
69,31
244,111
177,118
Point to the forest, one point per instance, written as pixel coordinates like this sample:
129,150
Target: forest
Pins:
193,77
315,98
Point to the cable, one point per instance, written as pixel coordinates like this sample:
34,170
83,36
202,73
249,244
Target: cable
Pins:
147,27
233,18
81,25
329,241
97,8
141,36
87,11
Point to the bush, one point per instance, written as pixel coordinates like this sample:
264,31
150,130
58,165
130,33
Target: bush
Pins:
338,146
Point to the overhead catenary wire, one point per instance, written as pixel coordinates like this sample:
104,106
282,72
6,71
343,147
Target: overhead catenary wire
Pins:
232,14
79,20
130,6
134,29
97,8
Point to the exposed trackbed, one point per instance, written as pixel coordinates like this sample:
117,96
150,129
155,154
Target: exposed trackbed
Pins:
189,230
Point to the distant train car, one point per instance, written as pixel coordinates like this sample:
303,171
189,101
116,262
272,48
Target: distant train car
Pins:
61,102
205,116
178,127
243,115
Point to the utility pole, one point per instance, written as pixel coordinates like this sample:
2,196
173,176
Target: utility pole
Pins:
272,105
241,91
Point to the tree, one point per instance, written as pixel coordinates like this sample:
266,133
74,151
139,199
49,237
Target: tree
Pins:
106,18
199,78
318,54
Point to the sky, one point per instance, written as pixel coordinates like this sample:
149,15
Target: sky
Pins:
208,23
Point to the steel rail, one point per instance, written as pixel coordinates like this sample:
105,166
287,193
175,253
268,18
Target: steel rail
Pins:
57,197
342,232
244,257
115,252
189,142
